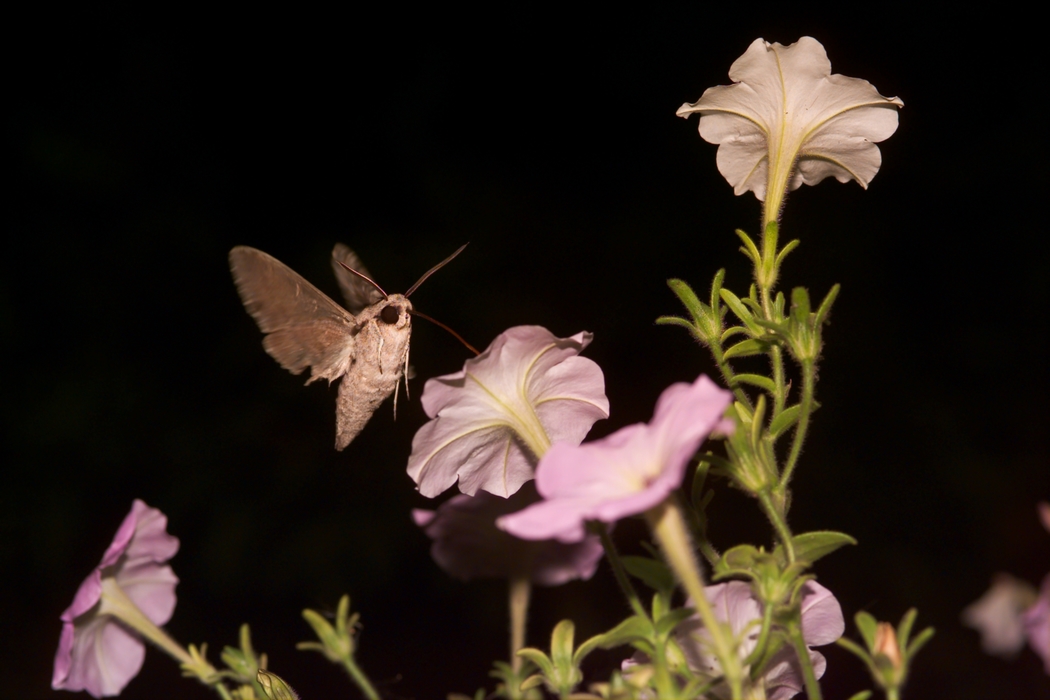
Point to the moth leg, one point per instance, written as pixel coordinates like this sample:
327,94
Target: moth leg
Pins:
398,384
380,354
404,375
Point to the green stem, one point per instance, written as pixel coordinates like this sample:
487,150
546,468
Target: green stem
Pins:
520,589
804,412
619,572
729,375
893,693
358,677
809,676
763,636
779,524
669,527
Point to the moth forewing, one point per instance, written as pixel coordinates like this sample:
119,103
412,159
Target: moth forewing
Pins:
304,328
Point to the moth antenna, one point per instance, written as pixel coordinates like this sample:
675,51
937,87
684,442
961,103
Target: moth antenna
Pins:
436,322
372,282
428,273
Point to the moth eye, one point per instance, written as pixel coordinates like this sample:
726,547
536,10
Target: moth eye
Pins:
390,314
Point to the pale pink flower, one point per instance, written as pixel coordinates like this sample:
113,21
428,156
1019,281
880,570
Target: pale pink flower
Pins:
786,120
627,472
467,543
735,603
1036,622
997,615
96,653
494,419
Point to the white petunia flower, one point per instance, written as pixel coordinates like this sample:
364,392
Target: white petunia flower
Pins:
786,120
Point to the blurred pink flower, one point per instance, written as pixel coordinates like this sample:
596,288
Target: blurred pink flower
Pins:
997,615
627,472
494,419
96,653
467,543
1037,624
734,602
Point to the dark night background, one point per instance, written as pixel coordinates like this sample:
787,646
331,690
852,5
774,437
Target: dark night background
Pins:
144,146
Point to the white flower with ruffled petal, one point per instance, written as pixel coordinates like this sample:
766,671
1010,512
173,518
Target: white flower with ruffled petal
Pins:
786,120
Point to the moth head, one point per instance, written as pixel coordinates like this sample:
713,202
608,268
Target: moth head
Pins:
396,311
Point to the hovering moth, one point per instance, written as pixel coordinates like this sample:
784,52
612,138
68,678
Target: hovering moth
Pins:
366,345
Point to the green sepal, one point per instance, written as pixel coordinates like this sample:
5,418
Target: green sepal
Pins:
274,686
562,642
533,681
811,546
919,642
243,662
740,560
764,383
784,421
904,628
790,246
651,572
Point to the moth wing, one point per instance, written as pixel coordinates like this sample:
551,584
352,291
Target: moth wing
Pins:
357,293
303,327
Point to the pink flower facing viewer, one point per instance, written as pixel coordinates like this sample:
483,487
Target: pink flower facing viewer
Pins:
626,473
97,653
494,419
733,602
467,543
997,615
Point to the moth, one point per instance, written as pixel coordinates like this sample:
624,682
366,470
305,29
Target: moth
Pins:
365,344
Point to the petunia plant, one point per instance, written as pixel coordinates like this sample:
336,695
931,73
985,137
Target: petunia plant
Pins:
539,503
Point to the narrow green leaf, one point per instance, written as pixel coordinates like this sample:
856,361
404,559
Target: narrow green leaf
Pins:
652,572
800,303
687,296
784,252
904,628
737,307
537,657
784,421
562,642
749,249
811,546
758,380
825,306
746,348
731,331
855,648
533,681
862,695
919,642
666,624
631,629
867,625
676,321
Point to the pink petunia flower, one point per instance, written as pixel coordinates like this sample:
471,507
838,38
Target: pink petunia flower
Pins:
467,543
1037,624
997,615
495,418
735,603
626,473
96,653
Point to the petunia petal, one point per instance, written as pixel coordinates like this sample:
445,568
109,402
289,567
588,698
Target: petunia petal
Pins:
822,620
526,391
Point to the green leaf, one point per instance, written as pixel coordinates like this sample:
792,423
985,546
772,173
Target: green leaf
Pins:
749,249
919,642
785,420
855,649
738,560
562,642
537,657
862,695
784,252
651,572
758,380
811,546
867,625
738,308
904,628
676,321
746,348
628,631
687,296
666,624
825,306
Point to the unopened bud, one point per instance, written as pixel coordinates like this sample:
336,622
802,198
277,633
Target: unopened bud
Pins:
886,644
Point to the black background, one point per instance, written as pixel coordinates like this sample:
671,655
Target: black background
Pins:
144,145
